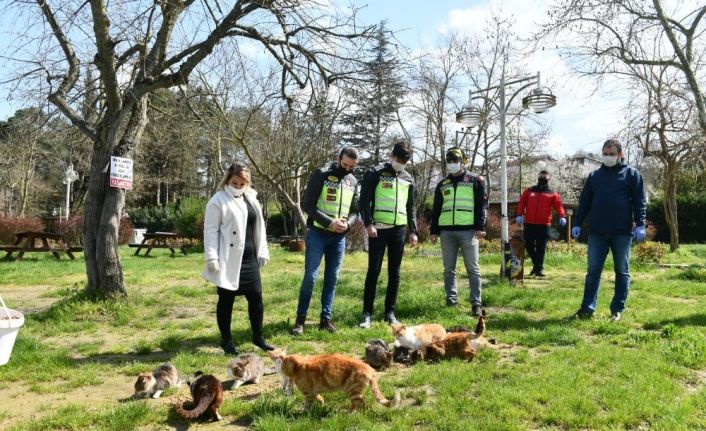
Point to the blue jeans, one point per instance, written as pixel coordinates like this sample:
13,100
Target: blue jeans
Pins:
451,241
330,247
598,246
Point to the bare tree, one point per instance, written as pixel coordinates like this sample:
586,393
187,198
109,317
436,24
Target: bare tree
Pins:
138,48
608,36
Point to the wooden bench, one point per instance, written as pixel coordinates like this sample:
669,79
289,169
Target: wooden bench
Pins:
168,240
26,242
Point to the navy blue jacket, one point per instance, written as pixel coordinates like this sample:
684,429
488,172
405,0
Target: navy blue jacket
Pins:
614,197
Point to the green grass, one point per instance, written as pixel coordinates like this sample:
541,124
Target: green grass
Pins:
76,358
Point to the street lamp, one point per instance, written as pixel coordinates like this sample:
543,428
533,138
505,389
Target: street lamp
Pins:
69,177
539,100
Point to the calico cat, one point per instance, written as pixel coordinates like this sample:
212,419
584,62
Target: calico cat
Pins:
207,397
329,373
246,368
377,354
454,345
402,355
152,385
414,337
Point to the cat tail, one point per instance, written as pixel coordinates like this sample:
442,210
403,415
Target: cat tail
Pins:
269,371
377,393
198,410
480,327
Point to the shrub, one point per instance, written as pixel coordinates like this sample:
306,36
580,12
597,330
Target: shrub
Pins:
489,246
9,226
154,218
649,252
188,212
72,230
357,237
492,228
574,248
423,230
691,208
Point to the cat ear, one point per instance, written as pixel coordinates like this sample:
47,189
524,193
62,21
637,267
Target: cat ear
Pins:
198,374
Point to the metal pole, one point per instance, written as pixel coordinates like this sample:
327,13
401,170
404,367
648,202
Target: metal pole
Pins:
68,192
504,228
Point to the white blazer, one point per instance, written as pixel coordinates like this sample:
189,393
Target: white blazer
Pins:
224,236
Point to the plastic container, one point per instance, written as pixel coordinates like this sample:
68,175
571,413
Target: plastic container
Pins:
10,323
138,235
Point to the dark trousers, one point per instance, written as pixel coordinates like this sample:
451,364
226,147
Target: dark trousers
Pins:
391,239
224,311
536,237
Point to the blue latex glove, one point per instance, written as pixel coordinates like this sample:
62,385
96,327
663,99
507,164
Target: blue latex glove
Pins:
576,231
639,233
519,219
562,221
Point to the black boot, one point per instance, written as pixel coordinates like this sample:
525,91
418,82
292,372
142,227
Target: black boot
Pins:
299,326
229,348
326,324
259,341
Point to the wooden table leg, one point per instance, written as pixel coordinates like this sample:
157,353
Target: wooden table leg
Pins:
149,249
56,255
71,256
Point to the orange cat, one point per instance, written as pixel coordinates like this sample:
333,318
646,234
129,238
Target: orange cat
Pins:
454,345
478,338
316,374
414,337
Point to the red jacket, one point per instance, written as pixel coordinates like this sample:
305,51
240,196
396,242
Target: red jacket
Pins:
536,205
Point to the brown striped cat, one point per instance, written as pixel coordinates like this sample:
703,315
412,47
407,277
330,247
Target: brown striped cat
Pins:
414,337
207,395
454,345
316,374
247,368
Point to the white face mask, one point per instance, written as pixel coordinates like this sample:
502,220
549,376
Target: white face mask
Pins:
397,166
610,161
453,168
235,192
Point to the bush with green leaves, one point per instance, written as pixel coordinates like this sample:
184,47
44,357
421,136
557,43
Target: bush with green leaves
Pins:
649,252
154,219
189,217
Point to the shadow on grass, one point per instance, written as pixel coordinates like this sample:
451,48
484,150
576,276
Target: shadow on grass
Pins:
698,319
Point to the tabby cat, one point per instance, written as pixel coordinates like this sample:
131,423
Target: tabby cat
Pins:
247,368
454,345
152,385
377,354
329,373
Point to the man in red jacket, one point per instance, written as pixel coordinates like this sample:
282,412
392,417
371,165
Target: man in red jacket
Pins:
535,211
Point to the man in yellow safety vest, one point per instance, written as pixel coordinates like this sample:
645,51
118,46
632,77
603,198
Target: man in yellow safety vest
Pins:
387,209
459,216
330,203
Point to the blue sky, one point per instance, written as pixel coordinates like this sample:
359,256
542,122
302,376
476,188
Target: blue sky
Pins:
582,119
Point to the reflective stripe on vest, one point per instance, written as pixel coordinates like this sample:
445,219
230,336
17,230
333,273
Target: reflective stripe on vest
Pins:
458,204
391,201
335,200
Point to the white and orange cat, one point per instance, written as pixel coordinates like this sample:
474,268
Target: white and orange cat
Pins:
316,374
414,337
152,385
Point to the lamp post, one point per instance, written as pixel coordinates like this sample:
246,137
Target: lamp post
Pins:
69,177
539,100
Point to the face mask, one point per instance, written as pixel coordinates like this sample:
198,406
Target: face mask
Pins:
397,166
542,181
453,168
235,192
610,161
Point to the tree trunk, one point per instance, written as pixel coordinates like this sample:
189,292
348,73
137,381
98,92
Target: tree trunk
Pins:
104,206
670,207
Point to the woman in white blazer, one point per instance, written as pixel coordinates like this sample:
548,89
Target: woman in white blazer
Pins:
235,249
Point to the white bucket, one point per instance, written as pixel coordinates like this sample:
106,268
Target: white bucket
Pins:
138,235
10,323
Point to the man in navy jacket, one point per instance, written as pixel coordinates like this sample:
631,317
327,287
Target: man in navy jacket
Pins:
615,199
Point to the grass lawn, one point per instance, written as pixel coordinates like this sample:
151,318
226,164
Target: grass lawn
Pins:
75,360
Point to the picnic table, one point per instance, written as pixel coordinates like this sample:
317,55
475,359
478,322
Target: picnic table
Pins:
27,242
168,240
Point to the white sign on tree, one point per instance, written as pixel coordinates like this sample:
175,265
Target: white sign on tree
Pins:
120,172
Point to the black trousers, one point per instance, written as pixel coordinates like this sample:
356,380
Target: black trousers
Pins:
391,239
251,288
536,237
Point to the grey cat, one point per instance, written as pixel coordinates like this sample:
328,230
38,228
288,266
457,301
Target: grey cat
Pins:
152,385
247,367
378,354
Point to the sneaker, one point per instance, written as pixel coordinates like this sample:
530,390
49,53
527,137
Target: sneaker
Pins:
260,342
451,302
615,316
582,314
299,326
326,324
365,323
540,274
391,319
533,272
229,348
477,310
